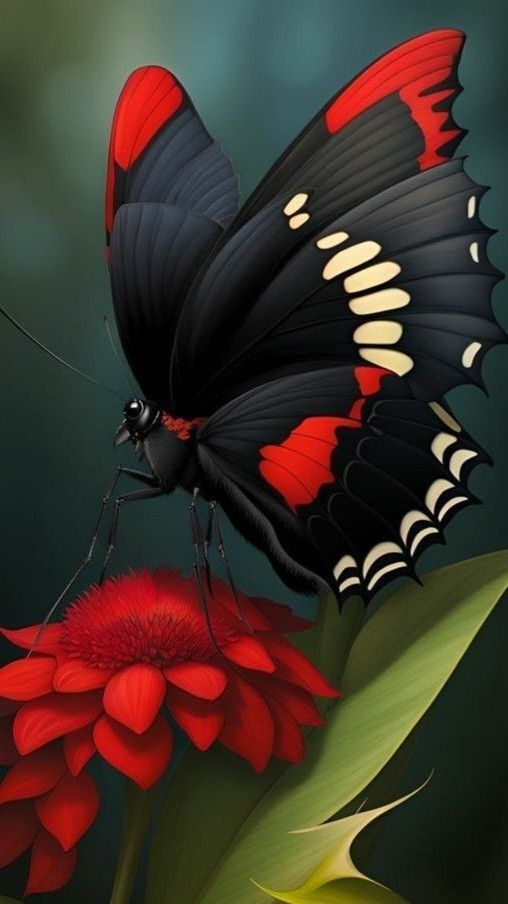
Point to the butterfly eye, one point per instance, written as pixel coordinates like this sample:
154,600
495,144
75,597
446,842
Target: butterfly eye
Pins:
133,409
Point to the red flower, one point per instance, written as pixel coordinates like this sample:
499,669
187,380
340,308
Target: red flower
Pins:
125,657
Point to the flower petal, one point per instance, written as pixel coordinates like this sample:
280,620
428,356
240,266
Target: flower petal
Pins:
143,758
8,752
27,678
293,666
68,811
244,610
199,678
248,729
51,717
48,642
288,743
247,651
281,617
78,749
18,828
296,700
135,695
201,720
50,866
75,676
33,774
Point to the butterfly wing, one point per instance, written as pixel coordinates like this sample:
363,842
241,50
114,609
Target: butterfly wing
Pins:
338,474
170,192
391,126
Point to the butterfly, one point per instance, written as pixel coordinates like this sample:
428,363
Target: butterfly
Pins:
293,352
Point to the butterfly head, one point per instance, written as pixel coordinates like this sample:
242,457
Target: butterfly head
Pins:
140,417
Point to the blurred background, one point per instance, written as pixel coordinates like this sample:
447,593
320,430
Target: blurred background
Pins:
257,71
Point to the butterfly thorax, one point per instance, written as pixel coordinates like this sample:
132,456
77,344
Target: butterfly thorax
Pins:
169,449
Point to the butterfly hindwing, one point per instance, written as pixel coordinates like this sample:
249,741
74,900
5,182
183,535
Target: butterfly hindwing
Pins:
369,474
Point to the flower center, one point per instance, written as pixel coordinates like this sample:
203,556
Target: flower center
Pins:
110,627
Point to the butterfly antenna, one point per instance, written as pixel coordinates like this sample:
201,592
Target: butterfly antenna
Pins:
15,323
116,353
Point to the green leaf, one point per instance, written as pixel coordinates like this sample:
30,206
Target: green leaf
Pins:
222,788
220,824
334,876
5,900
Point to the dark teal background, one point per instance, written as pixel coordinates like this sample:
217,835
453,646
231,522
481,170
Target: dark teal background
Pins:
257,70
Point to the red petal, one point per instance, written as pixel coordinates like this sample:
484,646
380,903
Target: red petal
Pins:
296,700
280,617
248,652
75,676
202,720
143,758
288,743
33,774
198,678
68,811
135,695
293,666
50,866
27,678
248,729
78,748
244,610
18,828
48,642
8,752
51,717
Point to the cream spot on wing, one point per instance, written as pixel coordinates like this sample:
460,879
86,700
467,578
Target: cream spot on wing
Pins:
376,302
458,460
349,258
378,332
471,207
474,252
296,202
445,417
395,566
298,220
450,504
343,565
435,492
377,552
397,362
371,276
349,582
470,353
410,519
440,444
332,240
420,536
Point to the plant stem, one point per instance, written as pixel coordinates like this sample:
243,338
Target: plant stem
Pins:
138,809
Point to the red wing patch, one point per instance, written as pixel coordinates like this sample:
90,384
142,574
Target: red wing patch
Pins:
416,71
149,98
301,464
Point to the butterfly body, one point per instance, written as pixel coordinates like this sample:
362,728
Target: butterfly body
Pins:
297,350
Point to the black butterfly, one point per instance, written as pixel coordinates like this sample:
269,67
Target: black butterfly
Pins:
293,354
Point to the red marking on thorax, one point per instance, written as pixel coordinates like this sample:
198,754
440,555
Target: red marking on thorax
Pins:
409,70
182,428
149,98
299,466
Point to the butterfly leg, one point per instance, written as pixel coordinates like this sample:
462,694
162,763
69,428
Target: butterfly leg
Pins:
215,523
153,490
119,472
201,565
